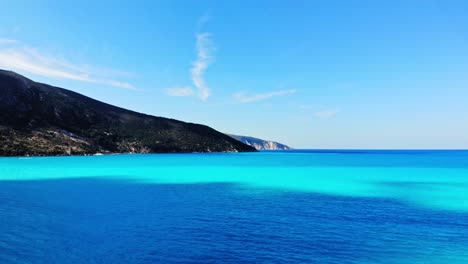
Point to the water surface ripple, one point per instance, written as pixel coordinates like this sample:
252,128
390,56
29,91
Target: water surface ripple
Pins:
269,207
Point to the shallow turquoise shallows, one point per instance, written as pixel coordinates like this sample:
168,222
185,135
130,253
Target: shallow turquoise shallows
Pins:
269,207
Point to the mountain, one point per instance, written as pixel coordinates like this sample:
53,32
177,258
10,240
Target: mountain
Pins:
260,144
39,119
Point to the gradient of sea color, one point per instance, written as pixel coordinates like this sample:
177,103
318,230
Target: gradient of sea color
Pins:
268,207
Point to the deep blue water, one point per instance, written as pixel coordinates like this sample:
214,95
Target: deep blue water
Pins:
271,207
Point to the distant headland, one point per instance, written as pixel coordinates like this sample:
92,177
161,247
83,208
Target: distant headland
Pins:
261,144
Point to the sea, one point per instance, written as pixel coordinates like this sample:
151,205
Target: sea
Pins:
301,206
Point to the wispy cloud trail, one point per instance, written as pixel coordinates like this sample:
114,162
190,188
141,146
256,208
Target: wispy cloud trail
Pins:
179,91
204,49
7,41
204,45
23,58
327,113
248,98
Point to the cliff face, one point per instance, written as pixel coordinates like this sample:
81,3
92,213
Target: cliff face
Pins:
39,119
261,144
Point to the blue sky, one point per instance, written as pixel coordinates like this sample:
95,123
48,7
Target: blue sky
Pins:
311,74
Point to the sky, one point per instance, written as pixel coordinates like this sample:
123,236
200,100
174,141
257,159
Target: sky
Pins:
310,74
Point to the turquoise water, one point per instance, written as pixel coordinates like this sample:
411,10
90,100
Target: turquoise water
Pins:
268,207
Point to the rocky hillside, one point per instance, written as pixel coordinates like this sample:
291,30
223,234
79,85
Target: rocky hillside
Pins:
39,119
261,144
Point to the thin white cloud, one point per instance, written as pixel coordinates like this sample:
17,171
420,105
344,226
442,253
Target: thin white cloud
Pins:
204,46
248,98
327,113
180,91
7,41
26,59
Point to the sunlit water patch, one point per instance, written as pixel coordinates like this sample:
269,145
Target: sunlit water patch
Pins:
303,207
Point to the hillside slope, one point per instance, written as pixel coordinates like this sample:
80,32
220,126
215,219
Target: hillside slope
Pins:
39,119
